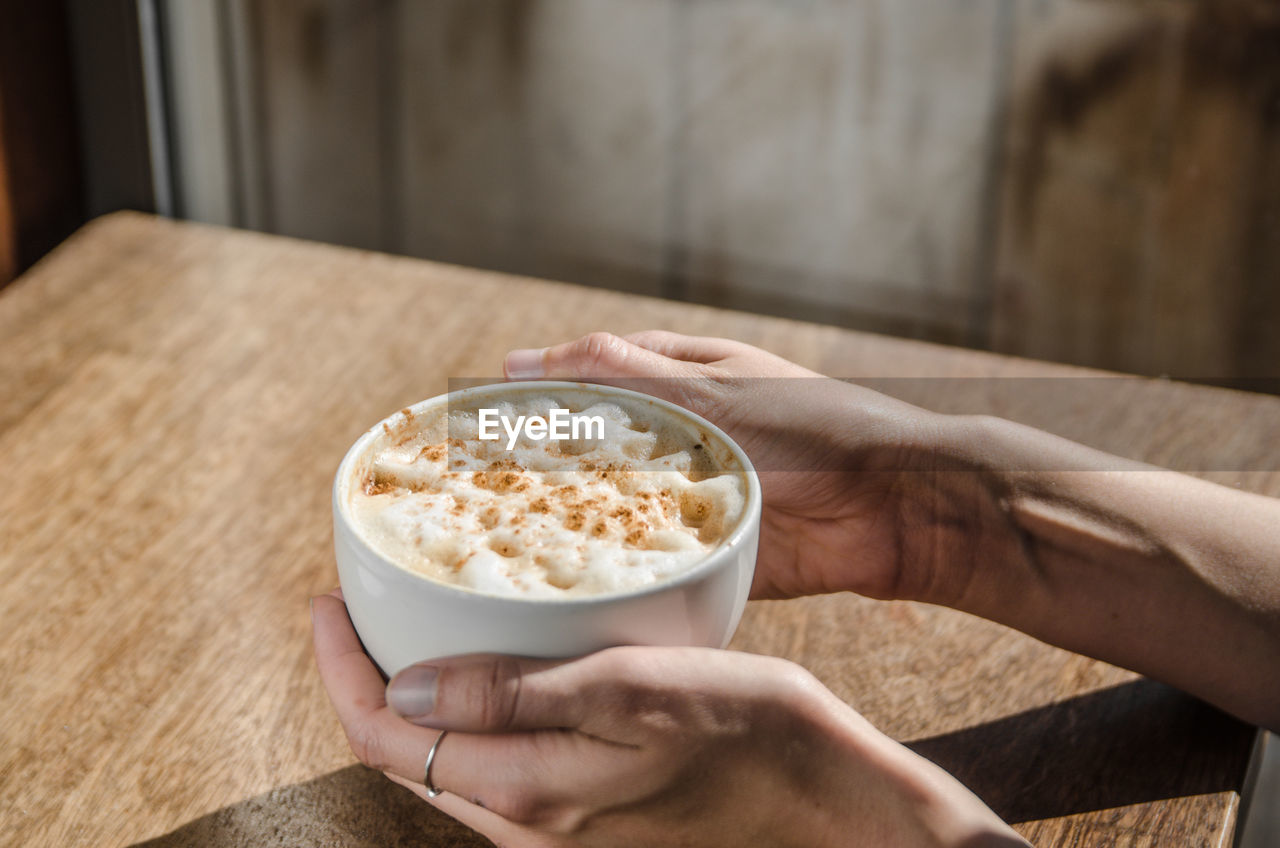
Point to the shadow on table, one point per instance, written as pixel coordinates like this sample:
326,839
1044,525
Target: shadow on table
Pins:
1136,742
352,807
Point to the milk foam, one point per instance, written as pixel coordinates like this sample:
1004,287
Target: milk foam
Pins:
547,518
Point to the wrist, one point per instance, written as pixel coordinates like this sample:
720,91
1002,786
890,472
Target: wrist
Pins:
950,508
918,803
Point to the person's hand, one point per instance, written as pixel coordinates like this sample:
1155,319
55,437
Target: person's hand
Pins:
642,747
823,530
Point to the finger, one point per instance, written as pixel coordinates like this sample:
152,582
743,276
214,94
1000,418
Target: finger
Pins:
488,693
603,695
344,666
543,778
700,349
471,814
378,737
601,357
483,821
728,355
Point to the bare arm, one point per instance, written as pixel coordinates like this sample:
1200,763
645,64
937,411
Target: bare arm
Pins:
1168,575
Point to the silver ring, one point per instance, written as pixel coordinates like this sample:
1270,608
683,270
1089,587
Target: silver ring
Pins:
432,791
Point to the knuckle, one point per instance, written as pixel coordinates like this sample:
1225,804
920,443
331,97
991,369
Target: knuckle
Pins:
616,676
520,806
565,820
499,702
624,663
644,338
793,684
801,680
600,349
367,747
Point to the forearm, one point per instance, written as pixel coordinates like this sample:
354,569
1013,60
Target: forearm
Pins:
1170,576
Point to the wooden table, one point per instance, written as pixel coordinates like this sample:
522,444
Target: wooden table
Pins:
175,400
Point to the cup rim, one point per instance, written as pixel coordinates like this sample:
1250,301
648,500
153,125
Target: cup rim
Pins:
717,557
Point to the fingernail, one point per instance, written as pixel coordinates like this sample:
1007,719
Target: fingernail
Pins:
524,364
413,691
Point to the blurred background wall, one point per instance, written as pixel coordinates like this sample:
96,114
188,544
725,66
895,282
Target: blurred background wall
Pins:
1090,181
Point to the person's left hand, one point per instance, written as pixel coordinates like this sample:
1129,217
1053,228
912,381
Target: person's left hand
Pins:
642,746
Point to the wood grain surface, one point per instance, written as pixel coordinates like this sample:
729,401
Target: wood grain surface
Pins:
175,400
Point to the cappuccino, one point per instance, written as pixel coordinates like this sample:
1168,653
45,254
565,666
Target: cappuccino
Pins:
546,494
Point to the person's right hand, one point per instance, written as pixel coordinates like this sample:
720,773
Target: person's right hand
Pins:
824,530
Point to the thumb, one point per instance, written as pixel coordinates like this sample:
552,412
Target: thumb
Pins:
487,694
601,357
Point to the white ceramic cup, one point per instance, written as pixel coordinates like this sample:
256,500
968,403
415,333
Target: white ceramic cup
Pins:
403,617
